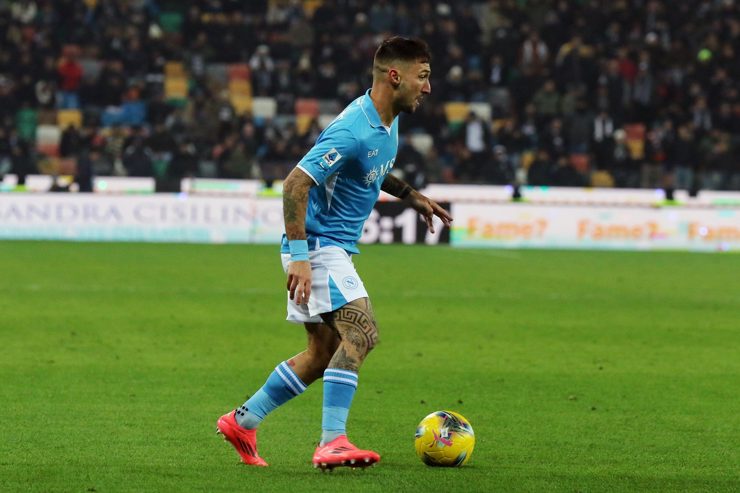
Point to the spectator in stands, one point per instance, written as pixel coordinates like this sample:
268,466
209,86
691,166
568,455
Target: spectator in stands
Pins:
574,63
721,164
612,85
237,160
477,143
263,68
45,84
683,158
566,175
71,142
70,79
6,151
642,92
502,170
184,162
579,126
161,142
602,141
652,166
554,140
23,165
514,142
621,165
540,172
381,17
410,163
138,159
547,102
111,84
84,172
534,56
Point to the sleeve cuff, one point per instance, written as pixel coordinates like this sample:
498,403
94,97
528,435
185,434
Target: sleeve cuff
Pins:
309,174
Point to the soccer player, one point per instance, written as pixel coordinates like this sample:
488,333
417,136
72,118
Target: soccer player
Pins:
326,199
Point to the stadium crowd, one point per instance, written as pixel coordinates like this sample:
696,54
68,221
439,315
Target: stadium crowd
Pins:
626,93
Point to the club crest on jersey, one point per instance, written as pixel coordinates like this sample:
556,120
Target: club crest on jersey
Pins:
330,158
350,282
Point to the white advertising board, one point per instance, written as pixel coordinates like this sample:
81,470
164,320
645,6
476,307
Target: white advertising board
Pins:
623,228
160,217
208,219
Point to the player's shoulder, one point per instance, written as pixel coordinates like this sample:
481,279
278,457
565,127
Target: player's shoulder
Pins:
349,118
355,118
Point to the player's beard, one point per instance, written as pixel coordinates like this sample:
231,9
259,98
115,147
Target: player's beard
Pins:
413,105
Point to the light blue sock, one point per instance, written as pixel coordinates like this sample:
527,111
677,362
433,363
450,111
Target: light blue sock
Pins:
281,386
339,389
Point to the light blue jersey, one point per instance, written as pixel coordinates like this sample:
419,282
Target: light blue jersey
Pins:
349,162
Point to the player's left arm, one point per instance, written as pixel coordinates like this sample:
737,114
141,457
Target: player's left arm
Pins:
423,205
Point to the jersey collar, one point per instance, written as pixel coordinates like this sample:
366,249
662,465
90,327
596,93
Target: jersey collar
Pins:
366,103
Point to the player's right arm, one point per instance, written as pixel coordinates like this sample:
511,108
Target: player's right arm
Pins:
335,146
295,201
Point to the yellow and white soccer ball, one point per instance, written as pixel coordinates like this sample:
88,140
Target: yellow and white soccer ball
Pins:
444,438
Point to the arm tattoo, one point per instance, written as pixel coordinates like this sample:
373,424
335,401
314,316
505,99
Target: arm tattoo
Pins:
396,187
295,202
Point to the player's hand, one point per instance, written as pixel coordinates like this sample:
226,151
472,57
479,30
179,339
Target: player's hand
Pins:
299,281
428,209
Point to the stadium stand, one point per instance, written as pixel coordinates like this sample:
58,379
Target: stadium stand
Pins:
630,93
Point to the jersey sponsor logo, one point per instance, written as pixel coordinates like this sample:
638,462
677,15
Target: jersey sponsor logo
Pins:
331,157
376,172
373,153
370,177
350,282
385,168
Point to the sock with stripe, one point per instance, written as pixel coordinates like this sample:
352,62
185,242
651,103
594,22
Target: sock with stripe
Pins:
281,386
339,389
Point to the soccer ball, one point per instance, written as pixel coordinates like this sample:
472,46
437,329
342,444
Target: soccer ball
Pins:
444,438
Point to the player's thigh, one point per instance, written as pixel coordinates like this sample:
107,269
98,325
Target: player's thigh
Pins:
355,322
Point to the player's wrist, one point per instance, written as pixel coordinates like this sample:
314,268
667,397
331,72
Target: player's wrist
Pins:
405,192
298,250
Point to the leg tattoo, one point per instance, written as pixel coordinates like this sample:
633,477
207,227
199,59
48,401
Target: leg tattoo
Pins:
343,361
355,323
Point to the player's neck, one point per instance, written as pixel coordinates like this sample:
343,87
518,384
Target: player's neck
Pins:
383,101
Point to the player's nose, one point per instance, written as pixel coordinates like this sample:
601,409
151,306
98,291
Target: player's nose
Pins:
427,88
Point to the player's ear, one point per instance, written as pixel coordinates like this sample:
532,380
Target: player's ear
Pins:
394,77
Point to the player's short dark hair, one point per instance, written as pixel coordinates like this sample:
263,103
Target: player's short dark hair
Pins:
398,48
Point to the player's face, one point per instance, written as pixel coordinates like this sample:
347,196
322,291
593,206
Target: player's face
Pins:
414,86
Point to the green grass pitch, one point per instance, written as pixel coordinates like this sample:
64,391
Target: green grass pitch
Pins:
579,371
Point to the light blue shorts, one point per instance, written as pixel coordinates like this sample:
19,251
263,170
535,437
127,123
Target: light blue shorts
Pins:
334,283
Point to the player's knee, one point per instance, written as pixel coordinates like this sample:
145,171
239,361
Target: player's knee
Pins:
358,341
369,338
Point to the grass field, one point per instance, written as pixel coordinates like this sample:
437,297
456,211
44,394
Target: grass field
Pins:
579,371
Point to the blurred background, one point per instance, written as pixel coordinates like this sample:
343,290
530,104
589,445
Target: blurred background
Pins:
628,93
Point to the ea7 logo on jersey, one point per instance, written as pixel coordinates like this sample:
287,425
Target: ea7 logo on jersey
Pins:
330,158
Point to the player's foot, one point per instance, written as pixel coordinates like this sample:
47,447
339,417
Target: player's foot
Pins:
340,452
243,440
